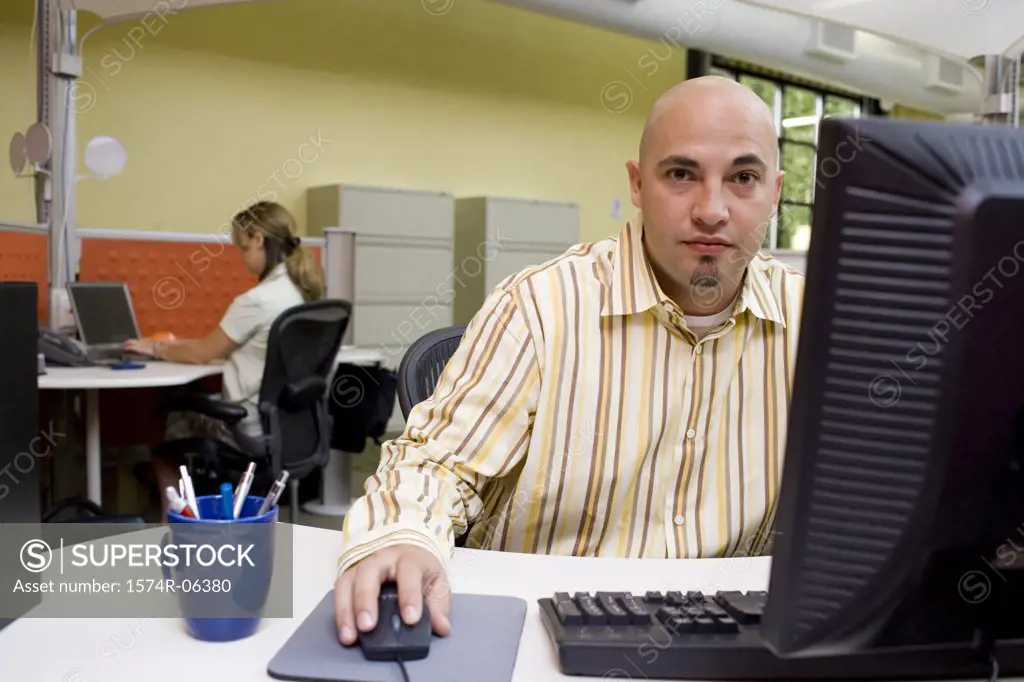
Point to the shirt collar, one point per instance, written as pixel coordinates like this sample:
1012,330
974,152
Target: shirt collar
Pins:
275,272
635,289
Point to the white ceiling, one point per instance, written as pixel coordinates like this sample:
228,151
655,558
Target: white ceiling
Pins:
961,29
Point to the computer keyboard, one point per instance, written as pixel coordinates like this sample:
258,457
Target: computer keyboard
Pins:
108,356
713,636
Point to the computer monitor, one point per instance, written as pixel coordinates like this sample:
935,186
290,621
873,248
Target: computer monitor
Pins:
103,312
901,508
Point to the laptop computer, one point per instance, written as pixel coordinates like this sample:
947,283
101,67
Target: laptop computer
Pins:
106,319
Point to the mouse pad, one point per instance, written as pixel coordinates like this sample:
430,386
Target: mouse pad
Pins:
482,647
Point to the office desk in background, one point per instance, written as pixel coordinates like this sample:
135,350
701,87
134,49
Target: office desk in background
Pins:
159,650
92,380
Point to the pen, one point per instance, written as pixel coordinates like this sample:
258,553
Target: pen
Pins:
226,508
190,492
243,488
274,495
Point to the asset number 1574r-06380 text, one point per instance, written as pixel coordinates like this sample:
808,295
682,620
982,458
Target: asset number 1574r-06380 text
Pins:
171,585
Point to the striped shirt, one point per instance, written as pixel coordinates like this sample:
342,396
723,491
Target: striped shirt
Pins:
580,416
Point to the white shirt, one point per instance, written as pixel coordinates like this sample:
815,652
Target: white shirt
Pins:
247,322
704,324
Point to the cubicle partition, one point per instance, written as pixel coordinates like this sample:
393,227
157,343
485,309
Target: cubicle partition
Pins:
180,282
24,257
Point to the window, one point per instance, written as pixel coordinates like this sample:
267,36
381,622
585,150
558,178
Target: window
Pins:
798,109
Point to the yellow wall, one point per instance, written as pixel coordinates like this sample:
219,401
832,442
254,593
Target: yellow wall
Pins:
900,111
214,105
17,113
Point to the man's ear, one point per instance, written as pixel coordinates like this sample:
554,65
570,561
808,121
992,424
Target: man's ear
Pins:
633,171
778,191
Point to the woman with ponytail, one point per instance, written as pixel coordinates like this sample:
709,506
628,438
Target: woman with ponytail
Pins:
265,235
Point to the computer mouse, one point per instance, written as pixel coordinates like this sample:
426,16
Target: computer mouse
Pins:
127,365
392,638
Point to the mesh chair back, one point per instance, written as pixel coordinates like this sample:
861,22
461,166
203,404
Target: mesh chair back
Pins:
423,363
301,356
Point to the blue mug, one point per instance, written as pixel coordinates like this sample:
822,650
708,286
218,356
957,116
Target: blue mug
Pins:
222,567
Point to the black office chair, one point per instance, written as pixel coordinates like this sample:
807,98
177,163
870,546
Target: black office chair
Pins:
420,369
301,357
423,363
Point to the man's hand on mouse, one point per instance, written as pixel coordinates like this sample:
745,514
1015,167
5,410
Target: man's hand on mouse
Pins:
418,575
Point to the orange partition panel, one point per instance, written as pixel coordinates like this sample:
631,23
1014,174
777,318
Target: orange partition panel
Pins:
181,287
23,258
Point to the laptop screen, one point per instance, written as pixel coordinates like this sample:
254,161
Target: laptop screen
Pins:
103,312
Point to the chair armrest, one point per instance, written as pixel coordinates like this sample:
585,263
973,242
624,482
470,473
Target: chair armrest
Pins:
209,405
301,394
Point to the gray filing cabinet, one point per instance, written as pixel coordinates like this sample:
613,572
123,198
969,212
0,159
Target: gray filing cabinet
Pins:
496,237
404,249
403,260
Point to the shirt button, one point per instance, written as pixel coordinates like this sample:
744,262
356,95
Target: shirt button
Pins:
679,520
691,433
698,350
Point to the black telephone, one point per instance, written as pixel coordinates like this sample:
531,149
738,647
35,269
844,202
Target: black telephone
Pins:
59,349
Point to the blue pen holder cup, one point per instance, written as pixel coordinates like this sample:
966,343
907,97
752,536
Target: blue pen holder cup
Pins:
221,568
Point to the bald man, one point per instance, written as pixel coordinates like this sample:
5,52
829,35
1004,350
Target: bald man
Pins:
626,399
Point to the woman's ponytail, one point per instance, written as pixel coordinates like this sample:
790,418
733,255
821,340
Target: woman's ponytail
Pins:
303,271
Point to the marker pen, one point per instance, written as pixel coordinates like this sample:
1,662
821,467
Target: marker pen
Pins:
226,505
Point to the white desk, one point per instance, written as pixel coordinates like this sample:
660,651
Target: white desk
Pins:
153,375
158,375
93,379
354,355
159,650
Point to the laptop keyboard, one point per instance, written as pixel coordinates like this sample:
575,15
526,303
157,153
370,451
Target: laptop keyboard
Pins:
109,356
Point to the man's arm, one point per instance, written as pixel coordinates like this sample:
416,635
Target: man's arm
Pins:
475,427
